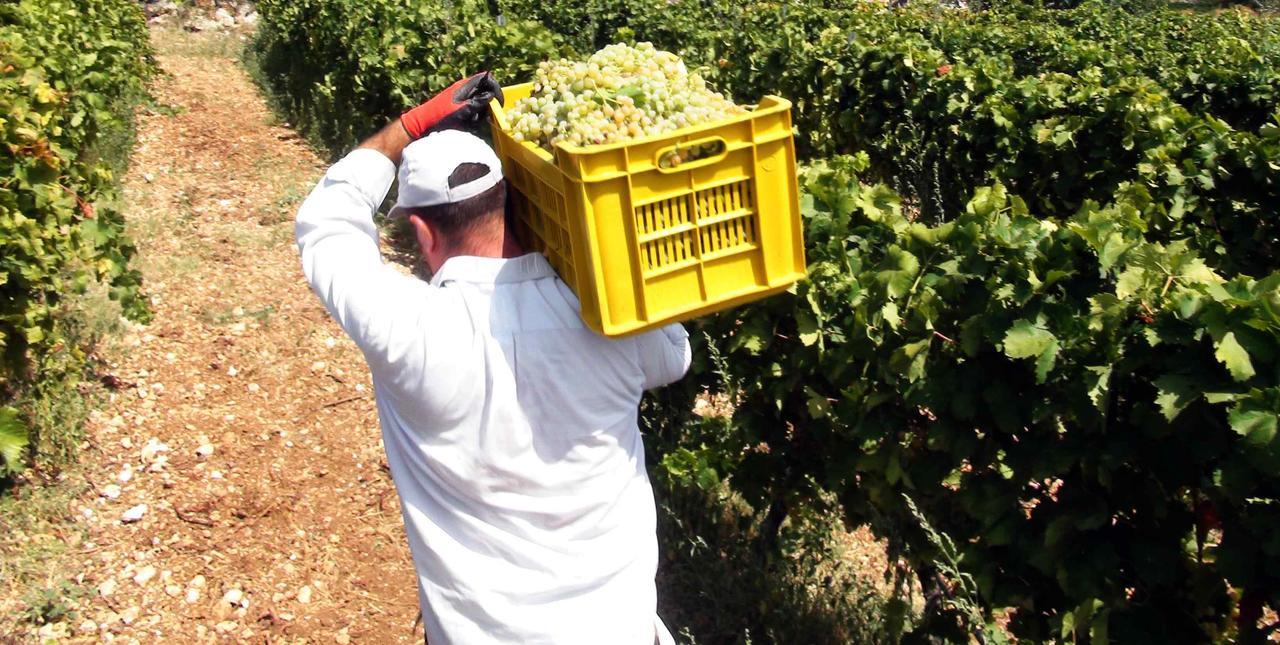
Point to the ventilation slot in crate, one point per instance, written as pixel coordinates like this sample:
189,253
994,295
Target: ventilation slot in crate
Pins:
667,253
726,219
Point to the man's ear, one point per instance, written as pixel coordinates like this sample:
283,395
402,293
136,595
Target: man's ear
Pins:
427,237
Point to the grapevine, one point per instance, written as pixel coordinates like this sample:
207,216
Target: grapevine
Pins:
619,93
1089,290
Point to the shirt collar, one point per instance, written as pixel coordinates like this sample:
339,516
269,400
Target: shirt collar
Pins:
470,268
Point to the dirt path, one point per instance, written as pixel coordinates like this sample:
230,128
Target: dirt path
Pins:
243,418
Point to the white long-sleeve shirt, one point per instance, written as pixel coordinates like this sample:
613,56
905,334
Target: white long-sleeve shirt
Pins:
510,429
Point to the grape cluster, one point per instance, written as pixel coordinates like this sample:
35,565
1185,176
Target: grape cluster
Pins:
619,93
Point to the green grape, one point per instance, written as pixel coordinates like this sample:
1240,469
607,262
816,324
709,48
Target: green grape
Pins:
619,93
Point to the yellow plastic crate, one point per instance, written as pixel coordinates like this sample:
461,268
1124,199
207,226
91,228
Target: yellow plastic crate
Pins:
643,245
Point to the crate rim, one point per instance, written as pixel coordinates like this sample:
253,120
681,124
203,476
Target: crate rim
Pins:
768,104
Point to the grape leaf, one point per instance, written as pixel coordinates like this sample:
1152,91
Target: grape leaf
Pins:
898,279
1176,392
890,313
1231,354
1255,424
807,328
1025,340
13,440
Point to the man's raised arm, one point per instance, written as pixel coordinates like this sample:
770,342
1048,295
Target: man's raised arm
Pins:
336,235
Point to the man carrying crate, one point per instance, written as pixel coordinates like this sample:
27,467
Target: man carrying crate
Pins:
511,429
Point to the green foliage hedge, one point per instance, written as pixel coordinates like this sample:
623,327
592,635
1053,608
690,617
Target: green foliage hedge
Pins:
342,68
67,67
1042,303
1088,411
1049,103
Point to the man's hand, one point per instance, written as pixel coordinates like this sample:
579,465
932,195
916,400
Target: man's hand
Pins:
462,104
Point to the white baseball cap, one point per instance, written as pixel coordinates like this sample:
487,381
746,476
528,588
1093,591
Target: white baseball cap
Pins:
426,164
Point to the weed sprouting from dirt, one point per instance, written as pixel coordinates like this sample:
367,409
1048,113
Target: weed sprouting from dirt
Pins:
35,529
53,604
56,401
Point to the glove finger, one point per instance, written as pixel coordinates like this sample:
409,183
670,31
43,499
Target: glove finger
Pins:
479,89
490,85
466,119
497,94
468,87
480,100
486,91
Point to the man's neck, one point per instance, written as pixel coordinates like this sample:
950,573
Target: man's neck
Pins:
500,242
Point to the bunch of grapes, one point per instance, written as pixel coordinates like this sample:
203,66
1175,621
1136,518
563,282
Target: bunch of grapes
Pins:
619,93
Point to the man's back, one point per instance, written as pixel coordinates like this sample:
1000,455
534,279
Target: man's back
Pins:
520,436
510,430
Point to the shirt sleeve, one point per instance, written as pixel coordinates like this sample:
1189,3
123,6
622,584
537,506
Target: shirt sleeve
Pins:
664,355
376,305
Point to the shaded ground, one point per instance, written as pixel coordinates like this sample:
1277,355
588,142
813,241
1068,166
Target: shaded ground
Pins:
241,417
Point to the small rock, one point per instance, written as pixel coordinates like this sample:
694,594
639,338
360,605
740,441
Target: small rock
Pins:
154,9
144,575
304,595
126,474
88,626
158,465
254,387
205,450
197,581
173,590
225,627
193,596
233,596
111,491
250,19
232,371
134,514
52,632
129,615
225,19
107,587
152,449
342,637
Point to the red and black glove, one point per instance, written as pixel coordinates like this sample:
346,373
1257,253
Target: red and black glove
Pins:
460,106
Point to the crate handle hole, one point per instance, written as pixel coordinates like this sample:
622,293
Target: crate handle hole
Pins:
691,154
